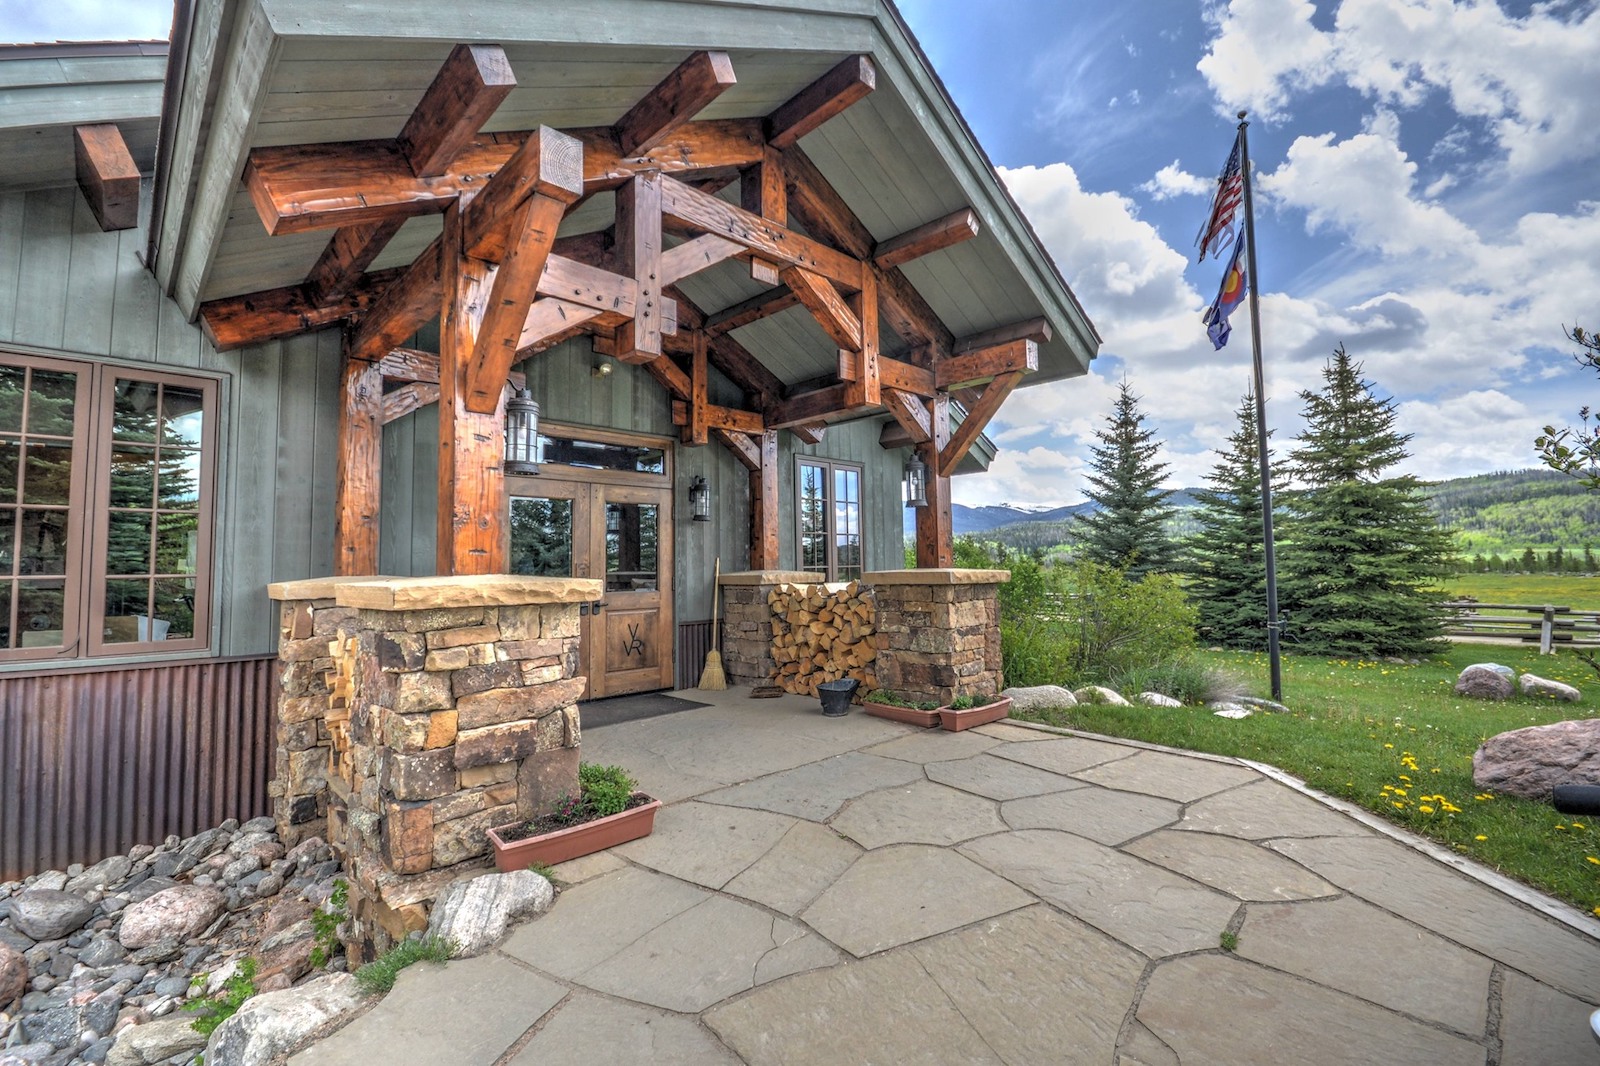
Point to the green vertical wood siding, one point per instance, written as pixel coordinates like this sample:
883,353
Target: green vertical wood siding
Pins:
67,288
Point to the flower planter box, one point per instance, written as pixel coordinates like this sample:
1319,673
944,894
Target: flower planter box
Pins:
955,720
896,713
574,841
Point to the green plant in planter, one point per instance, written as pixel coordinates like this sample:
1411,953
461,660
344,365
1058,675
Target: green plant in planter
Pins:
602,791
962,703
889,699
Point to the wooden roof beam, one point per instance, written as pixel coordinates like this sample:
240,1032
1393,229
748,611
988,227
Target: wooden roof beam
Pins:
107,175
926,239
728,355
471,84
910,413
273,314
809,407
811,433
731,419
824,98
298,188
511,295
1032,329
744,449
826,306
681,95
762,305
983,364
961,440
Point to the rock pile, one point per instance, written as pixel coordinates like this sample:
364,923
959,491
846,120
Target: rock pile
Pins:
96,962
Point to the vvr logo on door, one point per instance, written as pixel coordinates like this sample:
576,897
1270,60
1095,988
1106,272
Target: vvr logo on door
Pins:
634,644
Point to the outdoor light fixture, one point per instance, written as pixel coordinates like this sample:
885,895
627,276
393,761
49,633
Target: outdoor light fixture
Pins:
522,434
916,481
700,499
602,369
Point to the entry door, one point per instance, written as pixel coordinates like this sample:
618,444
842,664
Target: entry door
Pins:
621,534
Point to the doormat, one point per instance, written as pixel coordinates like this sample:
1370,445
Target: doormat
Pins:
596,714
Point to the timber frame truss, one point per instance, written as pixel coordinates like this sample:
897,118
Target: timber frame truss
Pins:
504,287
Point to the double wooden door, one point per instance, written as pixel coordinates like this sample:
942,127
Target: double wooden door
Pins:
621,534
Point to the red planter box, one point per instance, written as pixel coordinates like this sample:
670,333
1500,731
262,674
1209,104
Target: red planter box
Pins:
574,841
895,713
955,721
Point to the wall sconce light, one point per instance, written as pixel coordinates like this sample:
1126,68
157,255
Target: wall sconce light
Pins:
700,499
522,434
916,481
602,369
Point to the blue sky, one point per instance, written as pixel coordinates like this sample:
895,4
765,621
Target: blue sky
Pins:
1426,196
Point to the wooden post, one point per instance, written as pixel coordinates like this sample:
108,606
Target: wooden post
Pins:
1547,631
472,536
934,547
359,478
764,506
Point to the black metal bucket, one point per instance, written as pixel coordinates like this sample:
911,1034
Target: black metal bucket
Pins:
836,696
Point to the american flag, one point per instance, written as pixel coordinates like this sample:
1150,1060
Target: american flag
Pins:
1215,235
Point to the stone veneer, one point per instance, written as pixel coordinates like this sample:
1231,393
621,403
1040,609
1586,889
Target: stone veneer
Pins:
747,623
938,631
448,707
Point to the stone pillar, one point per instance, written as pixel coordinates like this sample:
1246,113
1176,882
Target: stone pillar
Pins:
308,620
747,623
451,708
938,632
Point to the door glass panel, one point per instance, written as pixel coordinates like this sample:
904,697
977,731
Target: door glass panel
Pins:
50,402
13,384
128,543
134,414
182,417
48,477
541,536
44,542
133,476
631,541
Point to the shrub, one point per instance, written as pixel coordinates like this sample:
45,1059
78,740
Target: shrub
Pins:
1187,679
606,789
225,1004
325,923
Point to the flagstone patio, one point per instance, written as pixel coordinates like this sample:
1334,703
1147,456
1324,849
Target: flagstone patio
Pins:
858,891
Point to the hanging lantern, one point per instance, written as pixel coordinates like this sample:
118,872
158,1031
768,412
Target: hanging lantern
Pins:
700,499
916,481
522,434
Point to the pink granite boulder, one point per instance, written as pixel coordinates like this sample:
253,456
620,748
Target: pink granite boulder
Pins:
1530,762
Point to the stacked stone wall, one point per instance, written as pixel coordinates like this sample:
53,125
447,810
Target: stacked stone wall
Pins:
747,624
299,788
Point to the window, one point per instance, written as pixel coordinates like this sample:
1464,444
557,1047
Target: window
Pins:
828,506
105,509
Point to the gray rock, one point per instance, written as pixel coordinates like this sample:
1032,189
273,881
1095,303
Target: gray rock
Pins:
1039,697
152,1042
102,952
25,1054
13,974
1530,762
1229,709
97,1051
263,824
50,914
240,868
128,972
1485,681
109,871
180,912
172,986
100,1013
1100,694
54,880
277,1024
1157,699
57,1026
269,885
147,888
475,914
1533,685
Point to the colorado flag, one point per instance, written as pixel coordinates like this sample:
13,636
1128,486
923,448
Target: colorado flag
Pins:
1234,285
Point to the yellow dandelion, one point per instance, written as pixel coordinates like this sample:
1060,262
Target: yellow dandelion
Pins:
1594,860
1425,809
1480,836
1388,745
1579,825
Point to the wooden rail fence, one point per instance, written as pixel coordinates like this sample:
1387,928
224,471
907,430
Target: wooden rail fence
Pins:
1550,627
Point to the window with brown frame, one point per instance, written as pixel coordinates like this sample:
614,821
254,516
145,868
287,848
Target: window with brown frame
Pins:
828,512
105,509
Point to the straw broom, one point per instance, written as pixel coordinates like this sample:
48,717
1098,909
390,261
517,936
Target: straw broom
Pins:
711,678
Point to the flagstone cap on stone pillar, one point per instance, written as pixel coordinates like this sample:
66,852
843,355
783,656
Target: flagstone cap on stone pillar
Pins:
484,590
771,577
936,576
313,588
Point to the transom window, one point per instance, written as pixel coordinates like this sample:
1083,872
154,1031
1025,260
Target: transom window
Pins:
828,506
104,509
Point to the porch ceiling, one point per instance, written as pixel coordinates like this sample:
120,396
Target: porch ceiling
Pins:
899,158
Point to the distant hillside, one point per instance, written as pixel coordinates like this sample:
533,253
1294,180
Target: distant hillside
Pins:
1492,513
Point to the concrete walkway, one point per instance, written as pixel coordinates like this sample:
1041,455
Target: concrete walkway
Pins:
856,891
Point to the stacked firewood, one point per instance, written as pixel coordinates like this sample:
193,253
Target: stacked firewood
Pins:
822,633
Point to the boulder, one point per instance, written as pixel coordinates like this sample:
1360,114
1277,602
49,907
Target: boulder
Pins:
1533,685
1039,697
102,874
176,913
1530,762
1099,694
474,915
275,1025
50,914
1485,681
1229,709
13,974
157,1041
288,951
1156,699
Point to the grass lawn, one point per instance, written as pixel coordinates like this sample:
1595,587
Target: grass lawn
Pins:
1398,741
1560,590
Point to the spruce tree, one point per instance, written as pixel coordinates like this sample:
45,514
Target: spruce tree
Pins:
1364,550
1127,530
1228,573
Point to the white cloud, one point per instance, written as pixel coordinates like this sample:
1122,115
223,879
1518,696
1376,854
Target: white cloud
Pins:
1172,180
1262,51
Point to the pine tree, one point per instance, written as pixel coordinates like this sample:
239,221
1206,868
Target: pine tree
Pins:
1127,530
1364,549
1228,571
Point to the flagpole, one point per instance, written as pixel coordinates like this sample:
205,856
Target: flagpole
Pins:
1261,416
